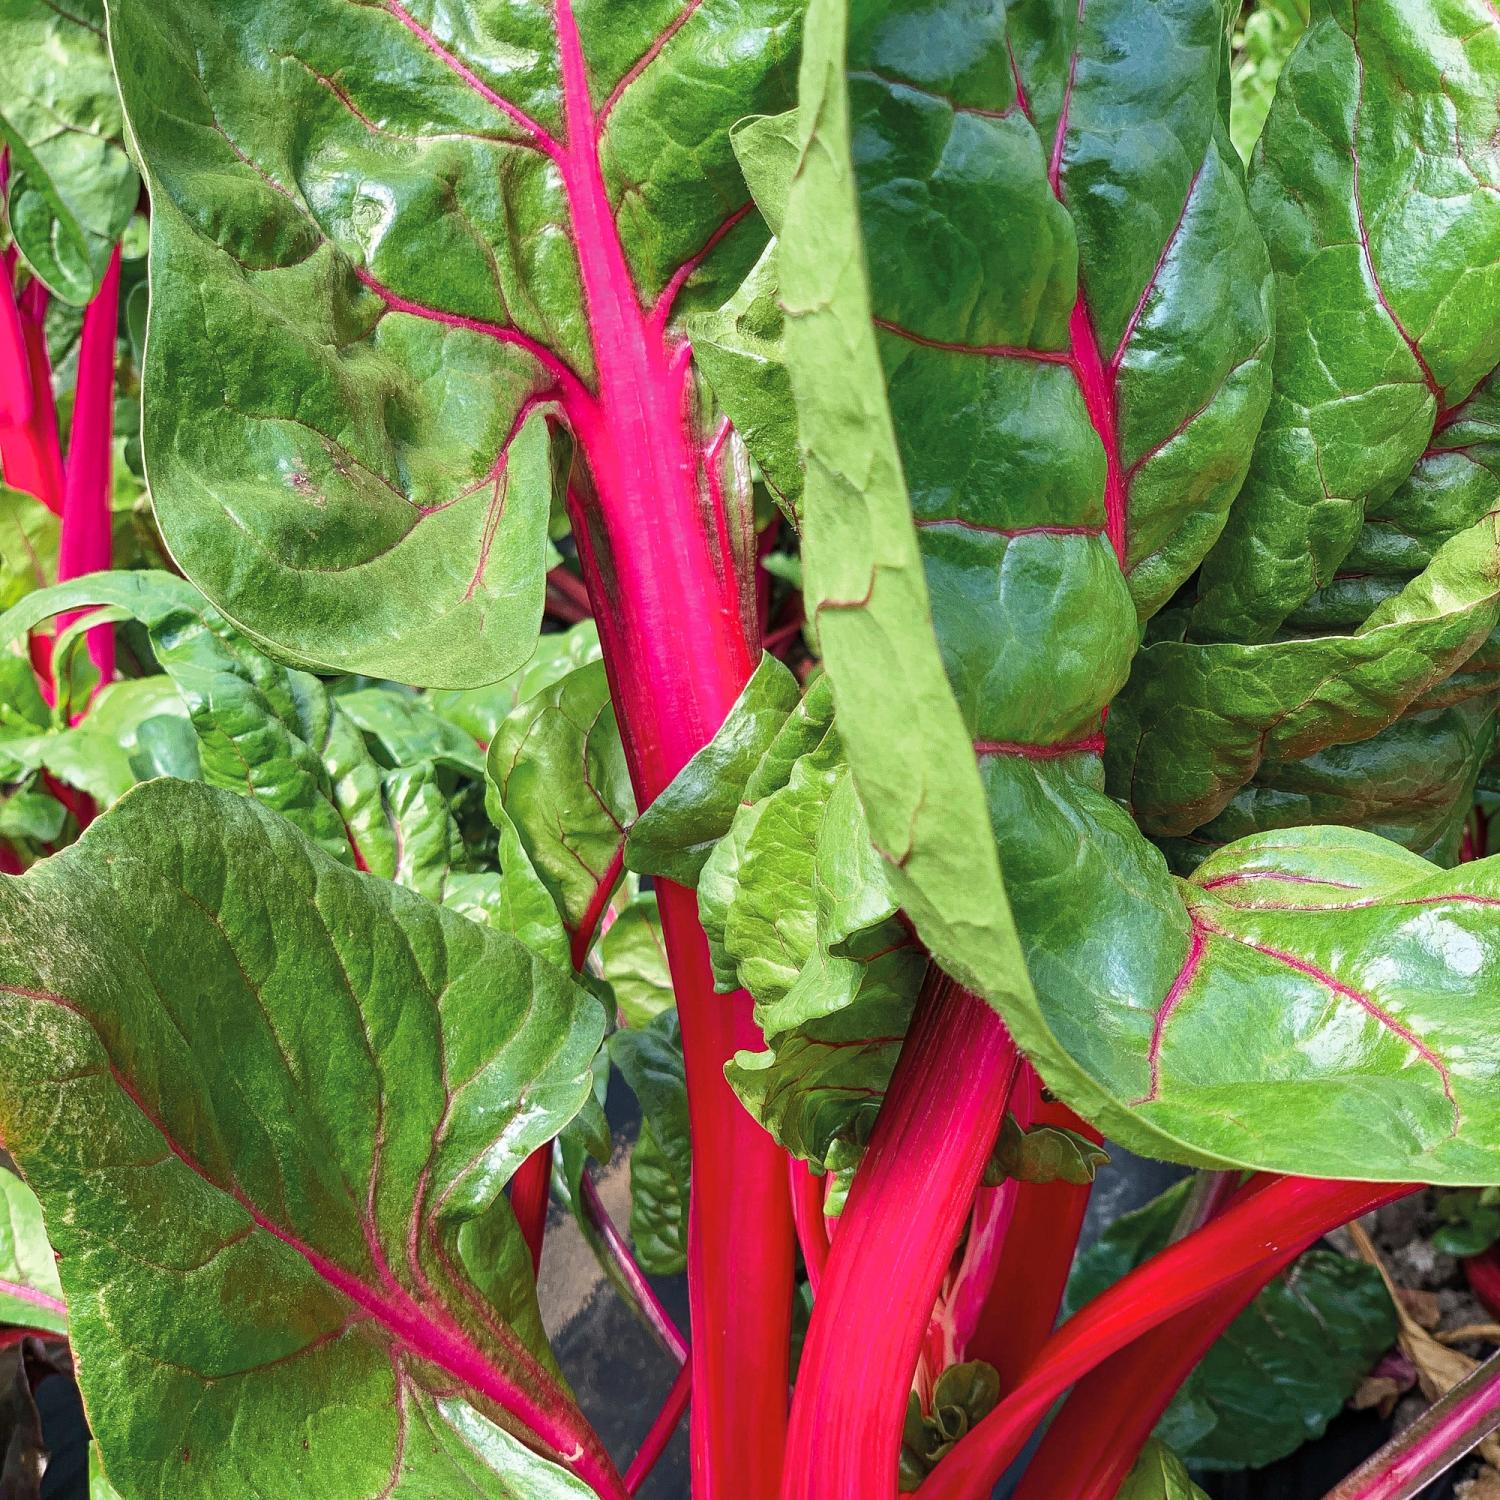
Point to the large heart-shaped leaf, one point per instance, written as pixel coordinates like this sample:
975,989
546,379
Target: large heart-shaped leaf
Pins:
1332,1041
395,245
269,1105
72,188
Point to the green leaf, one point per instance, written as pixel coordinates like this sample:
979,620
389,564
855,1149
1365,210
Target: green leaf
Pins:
1043,1153
633,957
1281,1371
262,1099
1197,721
72,188
1270,32
407,727
650,1060
30,1293
975,441
962,1396
31,815
1376,348
675,835
99,1487
1159,1475
478,711
557,770
1471,1222
369,345
28,545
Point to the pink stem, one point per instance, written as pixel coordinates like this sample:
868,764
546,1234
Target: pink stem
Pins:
662,1428
1483,1273
910,1199
529,1193
1443,1434
632,1275
1027,1288
1263,1222
85,544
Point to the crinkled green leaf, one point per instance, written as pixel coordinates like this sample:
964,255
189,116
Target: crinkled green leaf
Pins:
833,1033
72,188
1043,1153
557,769
1159,1475
408,728
1198,720
633,956
369,338
1377,347
675,835
649,1058
260,1097
30,1293
1100,211
963,1395
1282,1370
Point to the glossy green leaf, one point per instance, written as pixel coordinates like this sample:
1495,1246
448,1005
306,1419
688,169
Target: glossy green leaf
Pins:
266,1116
1159,1475
1377,347
978,421
30,1293
675,835
649,1058
1470,1222
557,769
1282,1370
368,305
72,188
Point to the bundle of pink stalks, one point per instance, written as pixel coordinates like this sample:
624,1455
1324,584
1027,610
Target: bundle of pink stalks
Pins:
77,489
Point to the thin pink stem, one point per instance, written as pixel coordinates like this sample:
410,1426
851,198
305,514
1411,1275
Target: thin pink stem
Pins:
666,1423
632,1275
1443,1434
807,1215
85,545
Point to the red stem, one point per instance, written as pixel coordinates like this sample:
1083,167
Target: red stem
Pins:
1027,1291
85,544
1262,1224
1443,1434
1093,1442
662,1428
529,1193
807,1216
1483,1272
910,1199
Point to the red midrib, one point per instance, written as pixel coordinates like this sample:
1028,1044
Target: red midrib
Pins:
430,1333
31,1295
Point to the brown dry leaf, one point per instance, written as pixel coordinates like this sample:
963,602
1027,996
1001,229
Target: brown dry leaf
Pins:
1439,1368
1377,1391
1423,1306
1485,1485
1488,1332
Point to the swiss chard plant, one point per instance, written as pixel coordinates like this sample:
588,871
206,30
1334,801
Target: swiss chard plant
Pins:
1032,600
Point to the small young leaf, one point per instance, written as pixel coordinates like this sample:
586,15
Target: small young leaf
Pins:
1159,1475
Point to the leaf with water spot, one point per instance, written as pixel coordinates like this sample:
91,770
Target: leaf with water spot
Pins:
296,1093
